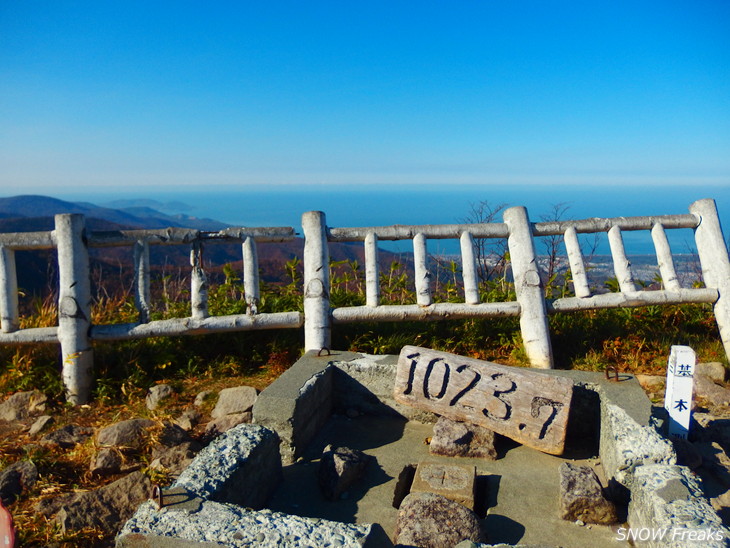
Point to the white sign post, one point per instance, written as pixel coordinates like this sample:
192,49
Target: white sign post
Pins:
678,395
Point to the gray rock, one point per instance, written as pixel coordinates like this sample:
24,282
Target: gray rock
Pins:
68,436
157,394
653,385
105,508
710,393
461,439
173,434
125,435
339,469
106,462
238,399
715,371
201,397
707,427
427,520
218,426
581,496
174,459
23,405
15,478
715,461
40,424
687,454
189,418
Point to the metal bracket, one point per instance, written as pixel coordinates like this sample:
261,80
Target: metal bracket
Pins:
319,354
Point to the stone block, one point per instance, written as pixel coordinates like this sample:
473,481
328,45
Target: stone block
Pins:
454,481
339,469
581,496
462,439
234,400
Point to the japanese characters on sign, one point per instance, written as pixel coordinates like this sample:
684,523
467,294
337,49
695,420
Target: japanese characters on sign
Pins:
529,407
678,394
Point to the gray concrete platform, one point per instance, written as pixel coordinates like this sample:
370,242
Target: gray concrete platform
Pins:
522,486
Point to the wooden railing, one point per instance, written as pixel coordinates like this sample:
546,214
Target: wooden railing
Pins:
75,330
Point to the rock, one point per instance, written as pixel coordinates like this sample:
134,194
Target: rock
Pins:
106,508
653,385
172,434
174,459
106,462
23,405
189,418
687,454
15,478
68,436
712,394
157,394
41,423
715,461
707,427
715,371
461,439
581,496
201,397
454,481
238,399
427,520
219,426
339,469
125,435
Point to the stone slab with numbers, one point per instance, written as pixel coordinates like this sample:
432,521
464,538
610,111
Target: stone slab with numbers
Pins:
529,407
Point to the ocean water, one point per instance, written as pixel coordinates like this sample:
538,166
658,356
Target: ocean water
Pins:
382,205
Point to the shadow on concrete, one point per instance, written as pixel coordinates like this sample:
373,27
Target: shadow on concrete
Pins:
501,529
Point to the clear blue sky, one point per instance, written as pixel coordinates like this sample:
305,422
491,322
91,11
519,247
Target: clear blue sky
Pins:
138,95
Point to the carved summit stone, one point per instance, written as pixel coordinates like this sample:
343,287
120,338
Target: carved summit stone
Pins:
529,407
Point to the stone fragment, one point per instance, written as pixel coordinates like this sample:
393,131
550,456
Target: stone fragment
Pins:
157,394
189,418
715,371
653,385
427,520
68,436
22,405
235,400
707,391
218,426
106,462
581,496
174,459
715,461
687,453
173,434
339,469
15,478
126,435
105,508
202,397
40,424
461,439
454,481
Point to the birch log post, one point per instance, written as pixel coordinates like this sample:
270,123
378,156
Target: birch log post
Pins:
713,254
142,298
528,286
9,320
317,322
664,258
372,270
469,268
251,289
529,407
421,272
577,264
198,283
621,264
74,307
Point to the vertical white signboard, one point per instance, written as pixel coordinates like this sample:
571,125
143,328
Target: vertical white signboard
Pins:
678,395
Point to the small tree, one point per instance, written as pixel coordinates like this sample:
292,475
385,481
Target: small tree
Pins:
490,253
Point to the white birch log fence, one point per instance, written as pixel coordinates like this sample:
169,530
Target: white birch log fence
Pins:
75,332
531,305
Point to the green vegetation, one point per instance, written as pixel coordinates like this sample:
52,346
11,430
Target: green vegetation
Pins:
633,340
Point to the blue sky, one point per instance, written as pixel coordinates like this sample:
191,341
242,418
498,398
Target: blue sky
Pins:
132,96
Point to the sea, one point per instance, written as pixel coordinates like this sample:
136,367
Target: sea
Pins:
378,205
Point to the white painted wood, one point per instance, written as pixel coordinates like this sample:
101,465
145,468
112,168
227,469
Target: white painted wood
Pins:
198,283
421,273
664,258
713,254
251,290
633,299
9,319
678,394
469,268
41,335
621,264
529,289
414,312
142,298
408,232
74,307
27,240
577,264
178,236
372,270
191,326
554,228
316,282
